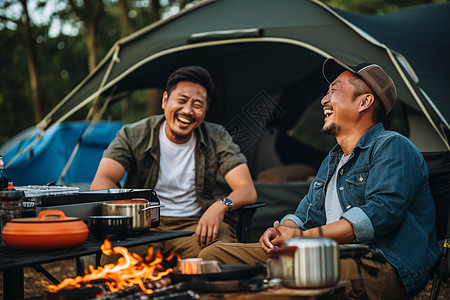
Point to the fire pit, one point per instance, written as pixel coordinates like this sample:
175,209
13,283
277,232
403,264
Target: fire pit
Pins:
134,277
12,261
130,272
162,289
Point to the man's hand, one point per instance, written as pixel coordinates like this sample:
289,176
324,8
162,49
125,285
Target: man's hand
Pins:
277,236
266,239
274,236
285,233
209,223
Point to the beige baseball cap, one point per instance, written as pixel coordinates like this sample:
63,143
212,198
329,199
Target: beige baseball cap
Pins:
372,74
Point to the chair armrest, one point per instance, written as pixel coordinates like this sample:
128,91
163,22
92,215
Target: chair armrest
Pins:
245,215
355,251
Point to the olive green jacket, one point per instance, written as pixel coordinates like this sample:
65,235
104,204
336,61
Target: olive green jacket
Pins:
136,148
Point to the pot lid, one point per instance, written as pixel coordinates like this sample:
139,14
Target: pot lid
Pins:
311,242
47,216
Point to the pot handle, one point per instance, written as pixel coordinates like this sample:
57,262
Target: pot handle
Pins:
286,250
51,212
153,206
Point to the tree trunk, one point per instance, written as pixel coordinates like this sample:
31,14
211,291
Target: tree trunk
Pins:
126,24
155,11
182,4
90,21
32,64
91,42
92,33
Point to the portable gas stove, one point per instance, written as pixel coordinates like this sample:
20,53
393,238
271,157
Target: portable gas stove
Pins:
74,203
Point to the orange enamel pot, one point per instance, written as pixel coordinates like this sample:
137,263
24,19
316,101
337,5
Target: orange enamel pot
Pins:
50,230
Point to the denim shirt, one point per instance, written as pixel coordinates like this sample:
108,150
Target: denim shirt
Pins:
384,193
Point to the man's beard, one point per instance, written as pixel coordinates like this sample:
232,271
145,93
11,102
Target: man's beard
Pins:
331,130
180,137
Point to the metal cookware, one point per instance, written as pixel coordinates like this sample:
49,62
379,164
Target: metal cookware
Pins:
145,213
227,272
111,227
306,263
50,230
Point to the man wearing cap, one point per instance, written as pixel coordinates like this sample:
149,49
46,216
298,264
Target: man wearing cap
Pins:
372,188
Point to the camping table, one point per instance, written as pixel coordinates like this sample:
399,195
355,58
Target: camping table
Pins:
12,261
335,292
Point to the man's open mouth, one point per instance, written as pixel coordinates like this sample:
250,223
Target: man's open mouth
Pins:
184,120
328,112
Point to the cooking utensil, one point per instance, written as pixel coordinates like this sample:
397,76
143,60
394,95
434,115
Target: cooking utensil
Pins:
111,227
152,206
197,266
210,266
190,266
145,213
50,230
228,272
306,263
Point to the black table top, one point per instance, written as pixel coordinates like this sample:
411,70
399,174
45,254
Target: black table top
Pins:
10,258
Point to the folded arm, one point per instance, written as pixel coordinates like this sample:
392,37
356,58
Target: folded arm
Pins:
340,231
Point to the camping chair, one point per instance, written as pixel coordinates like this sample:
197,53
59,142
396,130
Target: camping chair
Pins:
243,227
439,176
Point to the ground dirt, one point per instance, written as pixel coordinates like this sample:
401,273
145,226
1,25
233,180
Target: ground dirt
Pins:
65,269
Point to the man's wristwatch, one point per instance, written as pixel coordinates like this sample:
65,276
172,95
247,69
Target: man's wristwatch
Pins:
227,202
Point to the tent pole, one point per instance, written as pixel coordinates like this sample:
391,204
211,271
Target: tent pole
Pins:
22,151
94,113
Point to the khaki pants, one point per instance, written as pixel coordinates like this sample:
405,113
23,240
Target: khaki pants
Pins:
380,279
186,247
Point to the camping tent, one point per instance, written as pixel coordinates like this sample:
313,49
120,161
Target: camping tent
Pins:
252,46
265,57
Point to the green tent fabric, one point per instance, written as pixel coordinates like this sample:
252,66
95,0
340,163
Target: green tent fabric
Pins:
422,35
274,49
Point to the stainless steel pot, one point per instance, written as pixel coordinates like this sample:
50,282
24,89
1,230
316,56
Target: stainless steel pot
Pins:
145,213
306,263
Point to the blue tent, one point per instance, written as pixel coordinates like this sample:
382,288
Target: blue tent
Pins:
44,161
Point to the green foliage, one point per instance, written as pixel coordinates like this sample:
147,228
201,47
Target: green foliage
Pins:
62,63
16,110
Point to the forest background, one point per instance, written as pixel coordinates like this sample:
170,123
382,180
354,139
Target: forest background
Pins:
47,47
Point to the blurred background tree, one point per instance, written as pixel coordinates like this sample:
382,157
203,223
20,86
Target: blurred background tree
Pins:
47,47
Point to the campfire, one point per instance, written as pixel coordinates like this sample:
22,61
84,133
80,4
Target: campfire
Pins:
129,270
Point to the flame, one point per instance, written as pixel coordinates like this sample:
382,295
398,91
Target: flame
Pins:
129,270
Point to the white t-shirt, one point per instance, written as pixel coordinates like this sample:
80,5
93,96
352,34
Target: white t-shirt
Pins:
333,209
176,181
